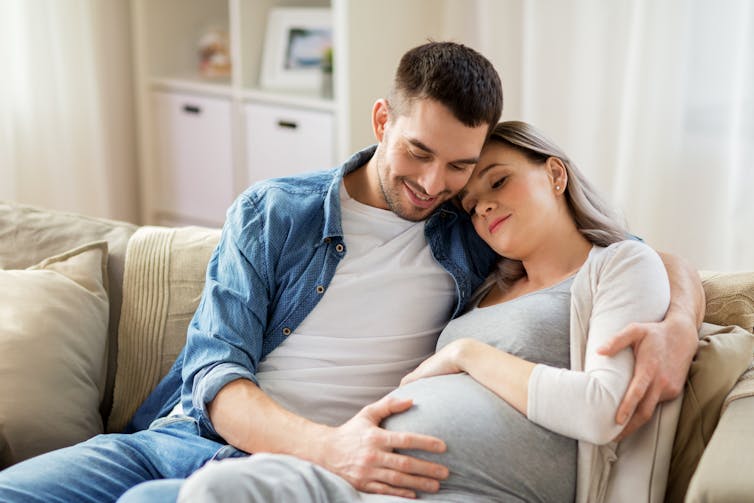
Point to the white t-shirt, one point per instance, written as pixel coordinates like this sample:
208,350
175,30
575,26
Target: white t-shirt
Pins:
378,319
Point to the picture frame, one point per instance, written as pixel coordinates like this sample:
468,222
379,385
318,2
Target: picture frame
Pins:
296,41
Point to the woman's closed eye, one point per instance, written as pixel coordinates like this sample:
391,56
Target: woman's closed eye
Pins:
499,182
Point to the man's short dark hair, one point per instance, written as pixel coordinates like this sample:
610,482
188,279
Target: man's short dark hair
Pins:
456,76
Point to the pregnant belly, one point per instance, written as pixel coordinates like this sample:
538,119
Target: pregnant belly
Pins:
492,448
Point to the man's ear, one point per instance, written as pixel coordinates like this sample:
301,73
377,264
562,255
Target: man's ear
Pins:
380,116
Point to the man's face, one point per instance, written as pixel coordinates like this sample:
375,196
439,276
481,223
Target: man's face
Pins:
425,157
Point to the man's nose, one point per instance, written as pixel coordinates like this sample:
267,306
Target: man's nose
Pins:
432,179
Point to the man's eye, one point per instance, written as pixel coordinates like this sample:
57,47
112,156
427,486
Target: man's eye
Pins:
418,156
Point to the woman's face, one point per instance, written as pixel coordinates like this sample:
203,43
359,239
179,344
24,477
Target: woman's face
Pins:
512,201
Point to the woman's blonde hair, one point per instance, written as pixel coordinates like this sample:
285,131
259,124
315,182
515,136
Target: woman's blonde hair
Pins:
593,217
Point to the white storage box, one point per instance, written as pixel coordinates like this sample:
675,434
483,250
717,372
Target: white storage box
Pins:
195,179
284,140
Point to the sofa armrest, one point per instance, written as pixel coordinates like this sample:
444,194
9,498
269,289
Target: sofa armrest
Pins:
724,471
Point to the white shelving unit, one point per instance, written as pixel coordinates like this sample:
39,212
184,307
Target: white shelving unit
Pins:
202,141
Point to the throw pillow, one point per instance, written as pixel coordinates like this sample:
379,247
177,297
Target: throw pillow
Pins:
53,334
29,234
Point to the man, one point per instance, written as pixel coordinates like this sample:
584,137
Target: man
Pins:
323,292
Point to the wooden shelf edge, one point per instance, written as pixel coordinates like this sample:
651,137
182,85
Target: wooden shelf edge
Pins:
290,98
195,85
224,89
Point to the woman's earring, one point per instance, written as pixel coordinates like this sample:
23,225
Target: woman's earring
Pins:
557,187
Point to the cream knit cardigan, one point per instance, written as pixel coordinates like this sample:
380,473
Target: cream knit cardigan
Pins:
623,283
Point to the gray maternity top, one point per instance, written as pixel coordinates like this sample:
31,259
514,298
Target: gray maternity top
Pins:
494,452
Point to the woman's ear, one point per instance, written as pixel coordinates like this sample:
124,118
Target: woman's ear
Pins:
379,118
558,174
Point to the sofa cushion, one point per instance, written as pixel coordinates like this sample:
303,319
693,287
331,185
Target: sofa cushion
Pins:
53,337
724,354
724,473
744,388
164,278
29,235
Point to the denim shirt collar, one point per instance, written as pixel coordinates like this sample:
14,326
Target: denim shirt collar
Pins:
332,227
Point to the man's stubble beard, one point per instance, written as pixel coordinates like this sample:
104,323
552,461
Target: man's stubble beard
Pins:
393,198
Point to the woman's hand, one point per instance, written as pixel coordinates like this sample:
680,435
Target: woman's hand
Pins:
502,373
449,360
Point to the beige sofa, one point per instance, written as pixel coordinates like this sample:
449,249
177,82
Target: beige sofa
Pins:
87,330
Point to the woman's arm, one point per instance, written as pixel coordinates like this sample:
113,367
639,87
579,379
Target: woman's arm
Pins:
632,287
504,374
663,350
628,285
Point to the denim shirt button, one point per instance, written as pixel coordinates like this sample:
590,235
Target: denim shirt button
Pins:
339,248
320,289
327,240
286,331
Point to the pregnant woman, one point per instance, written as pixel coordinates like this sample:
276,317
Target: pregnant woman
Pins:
517,388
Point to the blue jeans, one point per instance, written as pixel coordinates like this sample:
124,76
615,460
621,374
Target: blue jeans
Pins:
104,467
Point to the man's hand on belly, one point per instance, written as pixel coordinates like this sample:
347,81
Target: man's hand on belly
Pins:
363,453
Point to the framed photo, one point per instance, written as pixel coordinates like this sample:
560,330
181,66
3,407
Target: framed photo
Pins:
296,42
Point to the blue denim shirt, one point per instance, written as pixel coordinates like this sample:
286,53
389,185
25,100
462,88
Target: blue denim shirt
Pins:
277,254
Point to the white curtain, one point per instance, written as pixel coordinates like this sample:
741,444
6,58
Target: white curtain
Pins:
67,138
654,100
